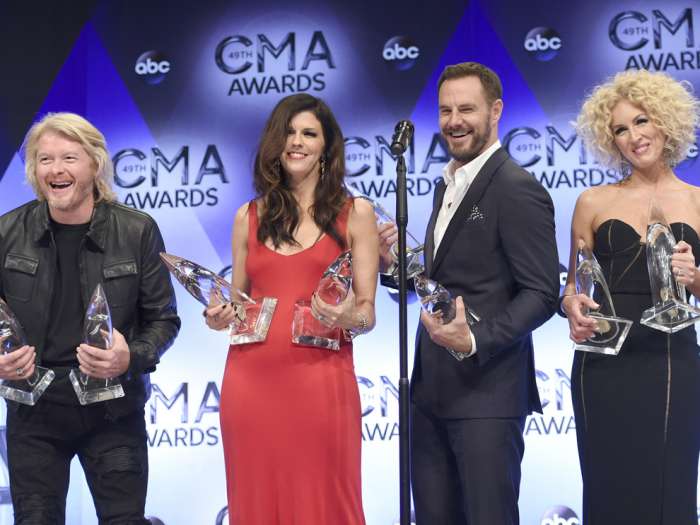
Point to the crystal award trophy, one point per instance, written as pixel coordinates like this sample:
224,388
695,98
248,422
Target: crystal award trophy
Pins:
97,332
611,330
253,317
333,288
25,391
414,250
670,311
437,301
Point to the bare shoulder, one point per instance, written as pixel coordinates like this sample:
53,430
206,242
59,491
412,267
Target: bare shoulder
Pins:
694,208
242,211
362,223
694,192
596,198
240,221
596,193
362,208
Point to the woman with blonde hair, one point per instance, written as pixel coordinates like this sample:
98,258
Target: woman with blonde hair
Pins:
637,421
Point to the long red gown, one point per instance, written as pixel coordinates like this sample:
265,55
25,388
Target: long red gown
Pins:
290,414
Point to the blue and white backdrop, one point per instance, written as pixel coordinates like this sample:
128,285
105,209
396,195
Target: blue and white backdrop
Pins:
181,93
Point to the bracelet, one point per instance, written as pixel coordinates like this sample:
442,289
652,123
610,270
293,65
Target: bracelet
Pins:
351,333
362,329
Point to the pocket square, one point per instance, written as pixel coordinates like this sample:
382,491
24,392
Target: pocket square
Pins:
476,215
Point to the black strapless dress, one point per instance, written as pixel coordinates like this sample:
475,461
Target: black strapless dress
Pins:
638,413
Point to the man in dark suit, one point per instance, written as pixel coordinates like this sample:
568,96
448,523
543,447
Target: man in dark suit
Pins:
490,241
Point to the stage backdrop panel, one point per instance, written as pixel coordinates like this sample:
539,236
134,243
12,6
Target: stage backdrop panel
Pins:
182,94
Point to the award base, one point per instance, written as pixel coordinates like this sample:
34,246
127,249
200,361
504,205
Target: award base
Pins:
309,331
258,317
608,339
27,391
92,390
414,266
670,317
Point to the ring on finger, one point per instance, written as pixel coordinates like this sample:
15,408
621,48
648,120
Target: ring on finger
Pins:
20,371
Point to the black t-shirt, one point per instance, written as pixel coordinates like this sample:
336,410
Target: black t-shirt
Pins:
65,327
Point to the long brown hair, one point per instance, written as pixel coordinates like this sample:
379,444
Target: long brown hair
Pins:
280,210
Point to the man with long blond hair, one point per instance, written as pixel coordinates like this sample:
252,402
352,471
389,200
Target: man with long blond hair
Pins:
53,252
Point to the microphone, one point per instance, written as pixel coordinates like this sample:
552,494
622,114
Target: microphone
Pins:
403,132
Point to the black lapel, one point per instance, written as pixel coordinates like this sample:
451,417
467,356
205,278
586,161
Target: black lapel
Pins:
429,246
474,194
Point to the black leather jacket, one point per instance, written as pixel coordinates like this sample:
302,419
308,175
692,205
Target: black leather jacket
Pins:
120,250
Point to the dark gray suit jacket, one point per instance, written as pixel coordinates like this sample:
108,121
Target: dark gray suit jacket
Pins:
499,253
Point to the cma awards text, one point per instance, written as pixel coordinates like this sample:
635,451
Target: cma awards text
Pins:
187,414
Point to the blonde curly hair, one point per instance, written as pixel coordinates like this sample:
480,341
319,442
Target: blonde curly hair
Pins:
669,104
78,129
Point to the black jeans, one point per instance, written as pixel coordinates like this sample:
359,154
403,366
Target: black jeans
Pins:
43,439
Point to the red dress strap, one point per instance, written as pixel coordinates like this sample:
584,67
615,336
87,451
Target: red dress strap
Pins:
341,221
252,224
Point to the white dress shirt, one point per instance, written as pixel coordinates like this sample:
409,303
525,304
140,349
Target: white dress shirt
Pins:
457,182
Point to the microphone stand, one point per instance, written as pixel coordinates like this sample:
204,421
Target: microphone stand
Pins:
404,413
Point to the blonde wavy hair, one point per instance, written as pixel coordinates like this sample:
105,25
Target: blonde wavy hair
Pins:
77,129
669,104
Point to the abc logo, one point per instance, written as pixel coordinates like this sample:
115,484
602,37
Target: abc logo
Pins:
560,515
152,66
400,52
542,43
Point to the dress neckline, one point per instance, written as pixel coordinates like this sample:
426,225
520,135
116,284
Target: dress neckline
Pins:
254,221
634,230
317,241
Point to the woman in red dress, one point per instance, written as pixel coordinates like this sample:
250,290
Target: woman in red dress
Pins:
290,414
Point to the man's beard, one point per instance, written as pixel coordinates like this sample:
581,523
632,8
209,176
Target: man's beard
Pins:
479,140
